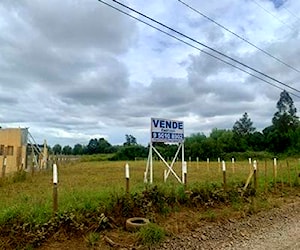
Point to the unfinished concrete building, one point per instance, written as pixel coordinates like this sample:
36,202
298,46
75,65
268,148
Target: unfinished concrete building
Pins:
13,149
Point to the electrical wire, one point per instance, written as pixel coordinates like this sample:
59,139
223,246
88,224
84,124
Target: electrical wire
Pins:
238,36
195,47
292,13
206,46
270,13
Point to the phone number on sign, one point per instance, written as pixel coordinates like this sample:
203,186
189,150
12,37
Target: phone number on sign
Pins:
161,136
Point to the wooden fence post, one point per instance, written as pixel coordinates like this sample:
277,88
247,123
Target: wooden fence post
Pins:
275,173
184,173
224,176
127,177
207,164
250,164
255,174
55,195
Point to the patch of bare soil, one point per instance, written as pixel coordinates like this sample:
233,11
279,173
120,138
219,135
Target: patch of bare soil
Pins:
277,228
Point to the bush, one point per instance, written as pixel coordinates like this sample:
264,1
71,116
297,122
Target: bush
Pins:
242,156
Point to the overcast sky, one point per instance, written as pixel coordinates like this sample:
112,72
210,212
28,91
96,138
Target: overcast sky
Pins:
75,70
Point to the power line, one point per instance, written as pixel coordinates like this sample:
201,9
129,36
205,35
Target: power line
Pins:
238,36
292,13
206,46
271,14
195,47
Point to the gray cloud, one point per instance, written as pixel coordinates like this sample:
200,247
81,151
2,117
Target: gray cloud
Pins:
72,70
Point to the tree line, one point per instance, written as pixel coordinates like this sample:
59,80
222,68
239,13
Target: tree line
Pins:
281,137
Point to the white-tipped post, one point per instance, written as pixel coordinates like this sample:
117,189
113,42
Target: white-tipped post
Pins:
55,181
275,168
127,177
224,175
223,166
127,171
254,165
232,161
55,177
184,172
255,174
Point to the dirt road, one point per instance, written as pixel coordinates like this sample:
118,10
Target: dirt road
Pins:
276,229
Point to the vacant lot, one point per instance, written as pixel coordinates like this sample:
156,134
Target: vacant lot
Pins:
83,183
88,186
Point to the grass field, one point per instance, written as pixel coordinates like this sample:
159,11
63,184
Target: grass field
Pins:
88,191
85,185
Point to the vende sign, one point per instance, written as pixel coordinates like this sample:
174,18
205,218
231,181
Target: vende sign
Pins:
163,130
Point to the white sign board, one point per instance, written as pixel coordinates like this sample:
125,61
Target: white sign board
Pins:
163,130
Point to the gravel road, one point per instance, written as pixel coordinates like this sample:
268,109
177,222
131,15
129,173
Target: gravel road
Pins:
278,228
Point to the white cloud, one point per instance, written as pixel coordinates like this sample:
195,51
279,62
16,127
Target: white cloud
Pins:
76,70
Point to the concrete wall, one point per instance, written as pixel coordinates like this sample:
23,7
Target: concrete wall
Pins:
13,146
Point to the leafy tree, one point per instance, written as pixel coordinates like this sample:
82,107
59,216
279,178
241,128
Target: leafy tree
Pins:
166,150
78,149
99,146
256,142
243,126
193,145
223,141
285,118
104,146
57,149
130,140
131,152
243,130
93,146
280,136
67,150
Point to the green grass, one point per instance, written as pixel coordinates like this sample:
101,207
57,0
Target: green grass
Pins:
151,234
86,186
87,191
92,239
